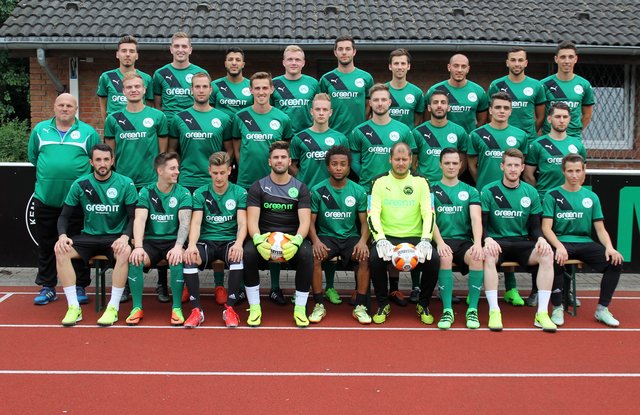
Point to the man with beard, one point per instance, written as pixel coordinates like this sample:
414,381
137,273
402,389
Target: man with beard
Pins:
231,93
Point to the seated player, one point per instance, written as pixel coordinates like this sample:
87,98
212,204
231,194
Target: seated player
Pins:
108,202
337,205
278,203
568,214
218,230
160,230
458,236
401,211
511,230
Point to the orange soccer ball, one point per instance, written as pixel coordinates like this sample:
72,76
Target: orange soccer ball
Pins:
404,257
277,240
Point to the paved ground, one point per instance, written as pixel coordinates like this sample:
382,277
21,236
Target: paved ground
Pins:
344,280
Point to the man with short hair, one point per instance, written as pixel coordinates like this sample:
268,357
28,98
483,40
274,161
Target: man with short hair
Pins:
172,82
407,100
337,205
569,212
487,145
160,230
574,90
231,93
136,134
545,158
58,148
108,201
433,136
371,141
218,231
278,202
110,88
458,237
294,91
401,211
255,128
527,94
511,231
467,100
348,88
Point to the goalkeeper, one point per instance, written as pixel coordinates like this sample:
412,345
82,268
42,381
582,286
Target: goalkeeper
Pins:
401,211
278,203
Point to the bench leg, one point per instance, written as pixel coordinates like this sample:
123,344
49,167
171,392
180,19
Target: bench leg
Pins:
101,289
569,290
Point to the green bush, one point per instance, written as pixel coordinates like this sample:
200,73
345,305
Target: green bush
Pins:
14,135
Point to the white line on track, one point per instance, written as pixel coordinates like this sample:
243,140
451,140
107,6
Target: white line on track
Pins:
321,374
312,328
6,296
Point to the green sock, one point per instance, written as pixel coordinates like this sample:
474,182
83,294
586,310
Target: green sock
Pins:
445,285
415,278
475,286
329,269
510,281
218,277
274,272
177,283
136,284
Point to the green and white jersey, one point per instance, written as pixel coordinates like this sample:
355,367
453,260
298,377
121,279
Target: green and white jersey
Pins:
136,138
546,154
199,135
452,209
110,87
406,103
525,96
231,97
488,144
174,86
294,99
103,203
338,209
163,208
371,145
60,157
576,93
464,102
509,209
431,140
309,150
573,213
349,93
219,212
257,132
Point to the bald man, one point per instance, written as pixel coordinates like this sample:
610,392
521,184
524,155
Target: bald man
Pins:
59,149
468,101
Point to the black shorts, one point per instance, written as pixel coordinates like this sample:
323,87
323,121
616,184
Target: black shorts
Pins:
516,250
213,250
342,247
591,253
157,249
459,248
88,246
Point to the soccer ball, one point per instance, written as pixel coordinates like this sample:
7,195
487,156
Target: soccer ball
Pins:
404,257
277,239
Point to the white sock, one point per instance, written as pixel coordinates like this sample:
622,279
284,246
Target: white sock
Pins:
72,295
253,294
116,294
492,299
301,298
543,301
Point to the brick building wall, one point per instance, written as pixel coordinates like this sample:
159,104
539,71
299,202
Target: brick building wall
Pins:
427,68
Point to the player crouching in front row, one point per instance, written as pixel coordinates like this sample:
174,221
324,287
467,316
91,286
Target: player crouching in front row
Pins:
401,211
337,204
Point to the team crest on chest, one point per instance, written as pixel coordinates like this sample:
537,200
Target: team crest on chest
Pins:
525,202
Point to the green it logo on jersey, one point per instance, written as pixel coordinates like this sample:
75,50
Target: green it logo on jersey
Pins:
408,190
629,206
277,206
293,192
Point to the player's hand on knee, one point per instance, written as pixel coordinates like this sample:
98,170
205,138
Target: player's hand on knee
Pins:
613,256
120,245
137,256
236,253
543,247
444,250
361,251
63,246
320,251
477,253
561,255
491,248
174,256
191,255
